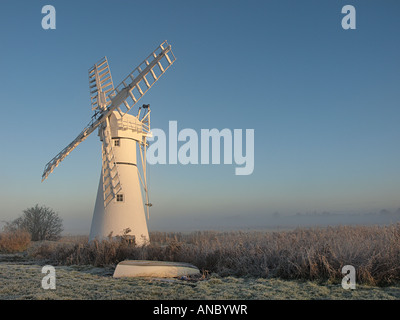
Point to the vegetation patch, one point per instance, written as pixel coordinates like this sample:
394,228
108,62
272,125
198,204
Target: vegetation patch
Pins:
314,254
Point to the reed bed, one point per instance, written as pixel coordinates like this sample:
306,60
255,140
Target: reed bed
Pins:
11,242
316,254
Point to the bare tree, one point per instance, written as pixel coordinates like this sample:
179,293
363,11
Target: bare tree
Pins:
41,222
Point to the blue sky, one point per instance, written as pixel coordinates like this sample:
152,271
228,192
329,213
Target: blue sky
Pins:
323,101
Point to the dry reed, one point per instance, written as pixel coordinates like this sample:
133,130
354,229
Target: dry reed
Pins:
310,254
11,242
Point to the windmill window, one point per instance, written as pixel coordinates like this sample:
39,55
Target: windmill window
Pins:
120,197
117,143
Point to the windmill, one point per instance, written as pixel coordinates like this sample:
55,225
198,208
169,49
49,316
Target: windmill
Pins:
120,203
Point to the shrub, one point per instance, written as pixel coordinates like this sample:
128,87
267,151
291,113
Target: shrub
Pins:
41,222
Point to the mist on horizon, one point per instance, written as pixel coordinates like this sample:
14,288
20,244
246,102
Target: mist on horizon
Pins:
250,222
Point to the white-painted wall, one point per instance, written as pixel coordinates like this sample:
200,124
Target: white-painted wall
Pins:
130,213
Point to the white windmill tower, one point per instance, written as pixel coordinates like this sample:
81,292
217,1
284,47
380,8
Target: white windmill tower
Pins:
119,207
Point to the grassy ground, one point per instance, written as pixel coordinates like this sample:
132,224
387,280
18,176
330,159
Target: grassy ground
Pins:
314,254
292,264
21,279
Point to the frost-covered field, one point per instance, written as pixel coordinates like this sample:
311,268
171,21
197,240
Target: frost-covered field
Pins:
21,279
293,264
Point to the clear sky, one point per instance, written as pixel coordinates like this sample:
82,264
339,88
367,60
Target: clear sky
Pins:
323,101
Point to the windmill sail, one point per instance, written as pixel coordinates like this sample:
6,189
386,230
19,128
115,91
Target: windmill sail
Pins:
141,79
100,85
111,181
127,93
